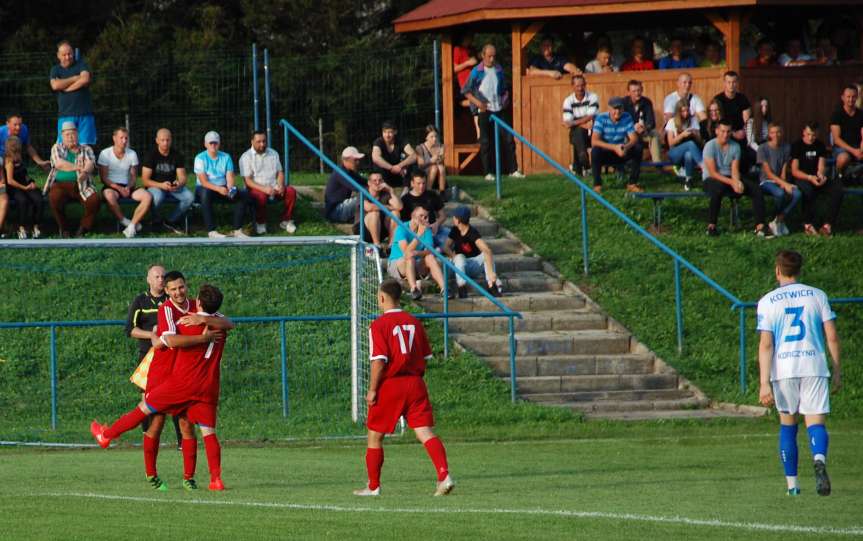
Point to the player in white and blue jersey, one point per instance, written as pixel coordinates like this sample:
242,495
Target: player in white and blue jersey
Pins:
797,328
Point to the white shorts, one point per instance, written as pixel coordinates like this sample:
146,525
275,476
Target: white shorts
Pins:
807,396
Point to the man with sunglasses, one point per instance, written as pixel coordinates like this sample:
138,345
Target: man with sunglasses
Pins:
215,172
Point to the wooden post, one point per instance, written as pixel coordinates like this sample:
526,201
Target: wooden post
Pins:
517,72
448,103
732,41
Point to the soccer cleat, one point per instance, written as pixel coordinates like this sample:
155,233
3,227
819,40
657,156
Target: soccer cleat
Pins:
822,481
793,491
217,484
98,432
190,484
444,487
366,491
157,484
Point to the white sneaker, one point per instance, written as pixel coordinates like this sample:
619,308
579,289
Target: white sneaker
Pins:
125,222
36,232
238,234
489,177
366,491
774,228
129,231
22,233
444,487
517,174
289,226
216,235
261,229
784,228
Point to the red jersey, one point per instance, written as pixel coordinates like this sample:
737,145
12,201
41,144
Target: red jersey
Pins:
635,65
399,339
198,366
166,324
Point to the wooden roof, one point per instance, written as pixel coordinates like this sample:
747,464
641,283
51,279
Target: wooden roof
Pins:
439,14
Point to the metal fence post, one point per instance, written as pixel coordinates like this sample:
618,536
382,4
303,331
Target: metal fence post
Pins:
513,371
286,136
255,85
53,375
585,246
267,92
436,85
742,349
284,340
678,306
362,212
321,143
496,157
446,311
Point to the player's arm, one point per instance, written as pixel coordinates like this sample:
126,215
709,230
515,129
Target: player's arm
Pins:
183,341
765,360
80,82
833,345
213,322
377,368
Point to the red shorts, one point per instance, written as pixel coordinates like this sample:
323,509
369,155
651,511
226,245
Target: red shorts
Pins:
401,396
171,396
160,369
202,414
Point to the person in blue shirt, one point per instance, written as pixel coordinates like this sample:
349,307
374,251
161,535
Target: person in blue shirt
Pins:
615,142
215,173
676,59
15,127
70,80
409,260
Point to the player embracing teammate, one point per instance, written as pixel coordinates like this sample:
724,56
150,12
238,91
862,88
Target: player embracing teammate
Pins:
189,341
794,321
399,350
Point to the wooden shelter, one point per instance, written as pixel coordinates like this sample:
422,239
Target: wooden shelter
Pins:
796,94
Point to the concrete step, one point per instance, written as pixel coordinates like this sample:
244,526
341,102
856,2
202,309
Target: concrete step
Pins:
573,365
450,206
573,384
534,302
486,229
659,413
621,400
548,343
530,281
573,320
503,246
506,263
591,409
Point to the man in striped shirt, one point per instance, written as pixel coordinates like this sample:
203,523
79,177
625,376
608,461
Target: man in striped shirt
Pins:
615,142
579,110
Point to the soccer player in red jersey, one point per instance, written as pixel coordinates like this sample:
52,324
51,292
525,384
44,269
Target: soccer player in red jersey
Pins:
399,350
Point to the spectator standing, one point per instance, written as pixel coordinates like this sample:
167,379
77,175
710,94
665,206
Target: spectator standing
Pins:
549,64
602,63
70,80
846,124
215,172
163,173
794,55
579,110
470,254
464,59
392,157
757,127
4,202
640,109
676,59
488,94
22,189
340,205
712,56
684,92
737,110
722,178
708,125
765,56
71,179
825,53
15,127
684,141
261,168
773,158
411,261
430,159
420,196
378,226
118,169
638,60
615,142
809,171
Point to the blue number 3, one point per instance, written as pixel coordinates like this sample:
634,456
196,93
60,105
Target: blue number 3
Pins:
797,312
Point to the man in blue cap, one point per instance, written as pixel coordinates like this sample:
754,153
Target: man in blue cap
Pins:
470,254
615,142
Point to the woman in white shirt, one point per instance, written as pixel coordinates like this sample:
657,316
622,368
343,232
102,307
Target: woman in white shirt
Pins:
684,141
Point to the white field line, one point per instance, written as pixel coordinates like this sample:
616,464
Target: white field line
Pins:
629,517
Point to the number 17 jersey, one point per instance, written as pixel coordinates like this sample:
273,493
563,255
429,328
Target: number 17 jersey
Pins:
795,315
399,339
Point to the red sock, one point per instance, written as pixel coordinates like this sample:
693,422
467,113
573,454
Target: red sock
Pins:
374,463
125,423
214,456
434,447
190,457
151,450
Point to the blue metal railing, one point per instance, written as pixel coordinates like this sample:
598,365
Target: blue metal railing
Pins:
586,191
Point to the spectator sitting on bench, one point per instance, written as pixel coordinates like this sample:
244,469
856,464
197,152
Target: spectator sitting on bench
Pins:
430,159
846,125
118,169
712,56
377,226
340,202
602,62
773,158
215,172
736,110
420,196
262,170
722,178
392,157
809,171
640,109
21,188
579,110
163,173
684,92
794,55
470,254
408,260
758,126
15,127
684,141
615,142
708,125
549,64
71,179
676,59
638,60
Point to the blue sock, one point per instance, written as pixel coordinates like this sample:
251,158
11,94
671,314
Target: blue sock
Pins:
788,449
818,441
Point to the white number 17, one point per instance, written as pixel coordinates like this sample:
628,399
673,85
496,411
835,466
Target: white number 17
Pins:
409,329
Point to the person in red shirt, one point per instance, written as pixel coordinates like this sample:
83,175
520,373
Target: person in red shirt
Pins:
464,58
399,351
638,61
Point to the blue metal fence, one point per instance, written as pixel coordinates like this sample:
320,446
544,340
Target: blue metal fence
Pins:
586,191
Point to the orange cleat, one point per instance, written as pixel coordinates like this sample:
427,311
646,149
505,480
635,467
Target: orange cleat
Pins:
98,432
217,484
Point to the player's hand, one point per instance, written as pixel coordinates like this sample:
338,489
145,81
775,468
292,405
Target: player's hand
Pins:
371,398
214,335
155,341
765,396
191,320
835,382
